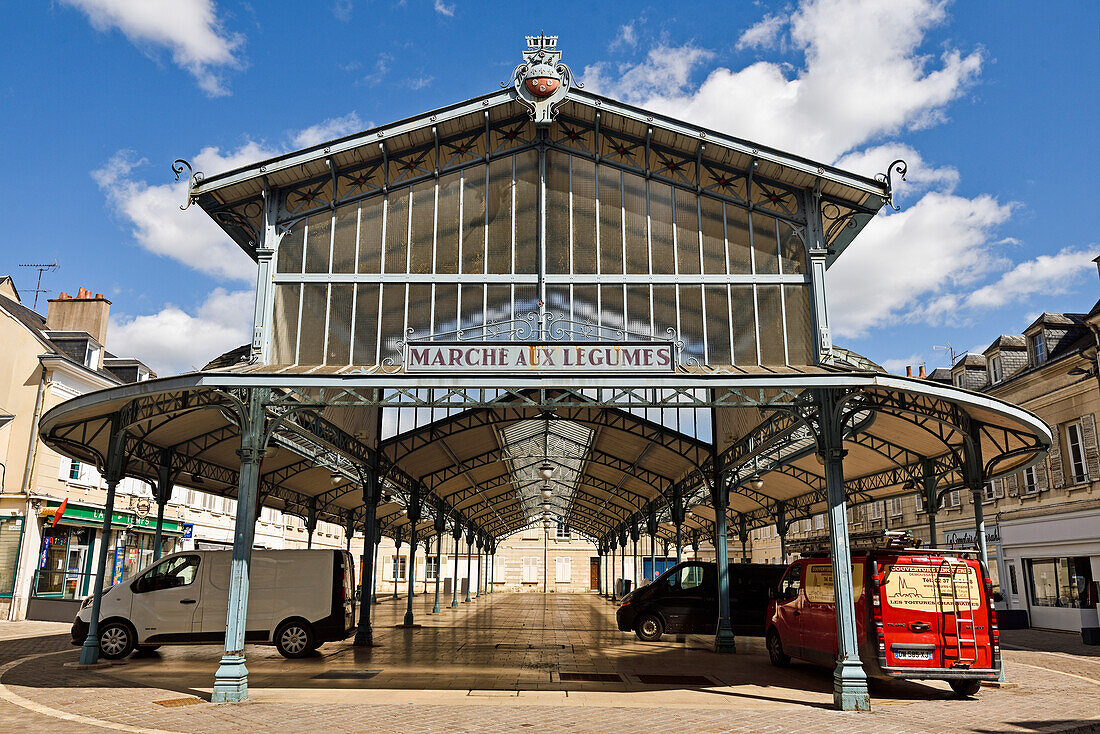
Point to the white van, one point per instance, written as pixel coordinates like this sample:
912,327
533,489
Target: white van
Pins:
297,600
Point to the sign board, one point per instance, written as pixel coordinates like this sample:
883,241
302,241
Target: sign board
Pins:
188,530
543,357
969,538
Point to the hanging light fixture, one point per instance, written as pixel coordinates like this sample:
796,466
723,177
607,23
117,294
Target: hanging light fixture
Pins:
547,493
756,483
336,478
546,471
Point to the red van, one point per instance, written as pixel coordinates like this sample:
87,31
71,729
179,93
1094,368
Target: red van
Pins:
920,614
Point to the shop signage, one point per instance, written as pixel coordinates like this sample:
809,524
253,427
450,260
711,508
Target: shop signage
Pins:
553,357
79,515
969,538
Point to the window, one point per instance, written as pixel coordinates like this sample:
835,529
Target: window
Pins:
431,568
995,372
74,470
791,583
957,378
1029,481
876,510
563,570
896,506
1061,582
530,569
920,502
562,532
989,492
399,566
1039,348
688,578
819,522
169,574
952,499
1078,471
1012,580
11,532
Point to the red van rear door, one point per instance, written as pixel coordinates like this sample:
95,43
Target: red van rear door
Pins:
934,612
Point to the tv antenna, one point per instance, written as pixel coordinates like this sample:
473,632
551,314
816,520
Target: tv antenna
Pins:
41,268
947,348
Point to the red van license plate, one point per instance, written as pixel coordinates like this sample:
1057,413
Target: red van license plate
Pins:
912,655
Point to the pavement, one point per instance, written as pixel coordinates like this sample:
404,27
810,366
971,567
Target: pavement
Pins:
512,661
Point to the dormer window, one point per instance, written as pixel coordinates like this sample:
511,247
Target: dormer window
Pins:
958,379
1039,348
996,374
91,356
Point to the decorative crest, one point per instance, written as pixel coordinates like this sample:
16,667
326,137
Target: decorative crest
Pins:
542,81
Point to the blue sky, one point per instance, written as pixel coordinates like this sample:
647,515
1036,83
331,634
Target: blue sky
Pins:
993,104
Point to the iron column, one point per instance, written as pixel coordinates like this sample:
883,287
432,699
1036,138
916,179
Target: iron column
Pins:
364,633
89,653
849,680
469,561
456,535
231,680
164,493
723,637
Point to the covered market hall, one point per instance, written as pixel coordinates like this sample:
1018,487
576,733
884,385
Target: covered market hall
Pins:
542,303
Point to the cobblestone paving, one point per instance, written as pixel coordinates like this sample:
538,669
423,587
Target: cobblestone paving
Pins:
492,665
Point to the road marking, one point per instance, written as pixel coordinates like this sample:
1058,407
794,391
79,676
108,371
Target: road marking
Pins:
12,697
1060,672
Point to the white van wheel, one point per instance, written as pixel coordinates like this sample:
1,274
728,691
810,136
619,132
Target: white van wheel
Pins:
294,639
116,641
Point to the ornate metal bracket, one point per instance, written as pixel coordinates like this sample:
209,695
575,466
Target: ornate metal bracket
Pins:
899,166
194,178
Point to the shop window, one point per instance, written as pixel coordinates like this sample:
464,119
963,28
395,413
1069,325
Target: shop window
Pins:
1061,582
1078,471
11,533
64,567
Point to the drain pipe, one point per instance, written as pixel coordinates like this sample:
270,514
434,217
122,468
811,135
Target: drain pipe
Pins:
28,509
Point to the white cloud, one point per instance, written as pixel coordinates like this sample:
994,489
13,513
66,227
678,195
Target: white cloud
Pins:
898,365
921,176
158,225
342,9
190,29
1046,274
627,38
191,237
336,127
911,266
172,340
762,35
444,9
420,82
864,75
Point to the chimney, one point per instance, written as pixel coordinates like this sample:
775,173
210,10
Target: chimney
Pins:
83,312
908,370
922,373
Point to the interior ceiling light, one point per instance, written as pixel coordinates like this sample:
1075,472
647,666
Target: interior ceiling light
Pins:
547,493
336,478
546,471
756,484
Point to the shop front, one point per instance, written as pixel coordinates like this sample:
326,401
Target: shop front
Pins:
1053,566
65,568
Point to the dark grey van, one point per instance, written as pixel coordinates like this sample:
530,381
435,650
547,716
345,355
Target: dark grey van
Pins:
684,600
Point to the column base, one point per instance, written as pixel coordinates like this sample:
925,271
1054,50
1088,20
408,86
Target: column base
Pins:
724,641
850,688
89,652
408,621
364,637
435,609
454,603
231,680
